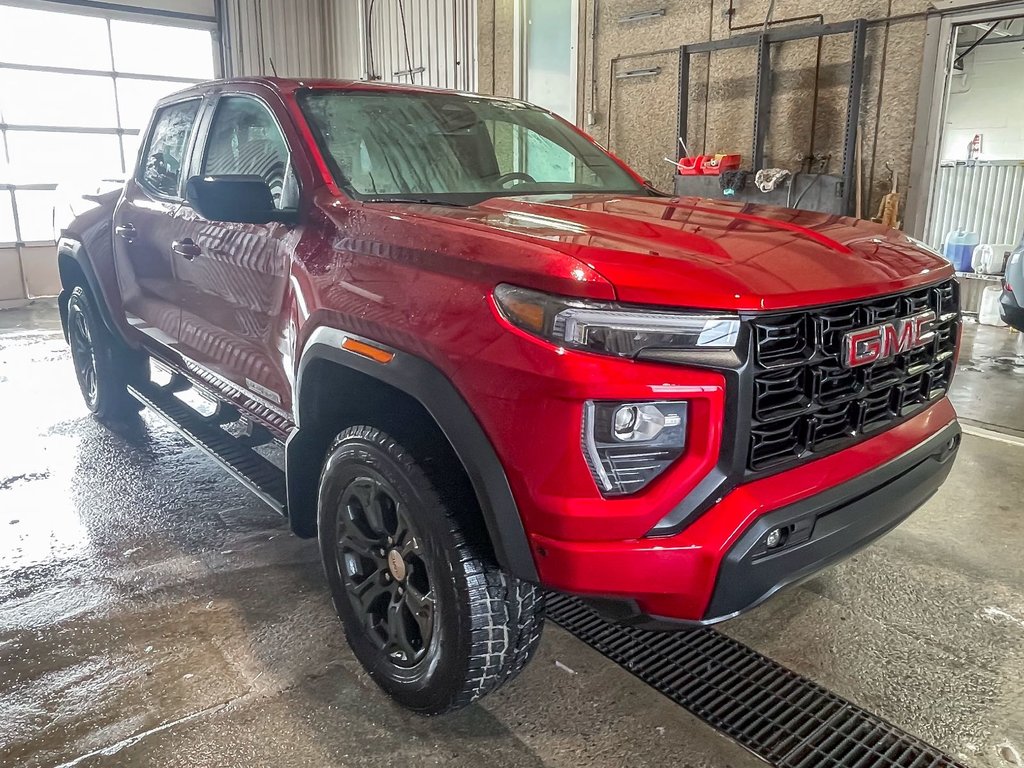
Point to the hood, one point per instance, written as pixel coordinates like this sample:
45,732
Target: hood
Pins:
691,252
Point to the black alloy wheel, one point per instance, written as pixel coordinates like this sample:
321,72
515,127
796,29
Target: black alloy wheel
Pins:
83,354
381,562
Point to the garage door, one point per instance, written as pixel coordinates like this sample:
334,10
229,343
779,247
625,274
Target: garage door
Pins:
71,115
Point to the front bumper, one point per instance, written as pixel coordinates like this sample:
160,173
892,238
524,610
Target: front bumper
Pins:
717,567
836,523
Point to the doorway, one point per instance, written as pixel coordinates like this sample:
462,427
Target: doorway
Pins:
547,34
968,166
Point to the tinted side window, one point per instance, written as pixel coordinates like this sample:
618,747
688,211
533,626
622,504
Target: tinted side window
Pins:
165,149
245,140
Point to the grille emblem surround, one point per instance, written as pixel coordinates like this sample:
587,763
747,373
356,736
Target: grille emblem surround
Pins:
886,340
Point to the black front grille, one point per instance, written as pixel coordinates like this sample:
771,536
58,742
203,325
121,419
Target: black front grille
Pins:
806,403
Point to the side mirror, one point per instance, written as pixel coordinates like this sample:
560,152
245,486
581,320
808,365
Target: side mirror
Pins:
239,199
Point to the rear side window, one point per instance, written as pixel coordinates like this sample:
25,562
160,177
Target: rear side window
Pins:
166,147
246,140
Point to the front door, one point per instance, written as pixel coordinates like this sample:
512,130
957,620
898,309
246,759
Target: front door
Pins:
147,240
233,293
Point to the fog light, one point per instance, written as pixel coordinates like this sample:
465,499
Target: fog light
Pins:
774,538
627,445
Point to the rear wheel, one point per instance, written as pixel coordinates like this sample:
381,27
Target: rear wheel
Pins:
103,365
431,618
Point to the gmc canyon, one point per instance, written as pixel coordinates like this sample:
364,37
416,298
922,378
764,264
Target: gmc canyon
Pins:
500,363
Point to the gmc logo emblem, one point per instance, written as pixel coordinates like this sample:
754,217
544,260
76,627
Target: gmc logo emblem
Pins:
885,341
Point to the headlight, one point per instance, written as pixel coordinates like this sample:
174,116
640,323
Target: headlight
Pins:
627,445
609,328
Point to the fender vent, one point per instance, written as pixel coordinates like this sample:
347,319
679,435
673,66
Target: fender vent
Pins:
783,718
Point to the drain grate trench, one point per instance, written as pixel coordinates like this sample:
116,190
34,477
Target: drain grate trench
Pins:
783,718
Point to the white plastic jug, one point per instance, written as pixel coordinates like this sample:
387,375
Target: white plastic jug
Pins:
989,312
989,259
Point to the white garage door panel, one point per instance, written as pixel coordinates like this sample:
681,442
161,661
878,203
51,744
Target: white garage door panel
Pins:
193,7
207,8
11,288
40,265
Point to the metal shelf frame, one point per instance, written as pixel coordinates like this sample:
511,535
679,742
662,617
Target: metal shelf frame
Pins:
763,41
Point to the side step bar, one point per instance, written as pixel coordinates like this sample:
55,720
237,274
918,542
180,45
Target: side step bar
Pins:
234,454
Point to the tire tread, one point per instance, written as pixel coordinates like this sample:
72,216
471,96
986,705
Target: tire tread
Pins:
506,614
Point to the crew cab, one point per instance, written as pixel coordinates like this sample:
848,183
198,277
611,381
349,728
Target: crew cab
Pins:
500,363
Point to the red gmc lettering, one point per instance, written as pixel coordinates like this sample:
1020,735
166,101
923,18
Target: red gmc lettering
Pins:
898,337
864,346
881,342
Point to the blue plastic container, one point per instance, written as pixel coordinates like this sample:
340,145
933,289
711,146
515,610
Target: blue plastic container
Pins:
959,248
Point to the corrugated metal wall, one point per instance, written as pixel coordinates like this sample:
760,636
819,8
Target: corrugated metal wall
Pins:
987,198
292,33
345,31
423,42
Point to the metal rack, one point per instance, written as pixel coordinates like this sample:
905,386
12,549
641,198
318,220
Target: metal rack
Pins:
762,96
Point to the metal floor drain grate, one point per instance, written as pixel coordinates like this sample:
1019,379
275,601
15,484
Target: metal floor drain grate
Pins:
781,717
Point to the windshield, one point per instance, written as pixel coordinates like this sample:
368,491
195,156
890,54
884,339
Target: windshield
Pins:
458,149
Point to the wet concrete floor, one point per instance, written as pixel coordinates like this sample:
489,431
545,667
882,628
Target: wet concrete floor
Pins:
153,613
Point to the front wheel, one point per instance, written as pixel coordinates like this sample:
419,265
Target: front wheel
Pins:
435,623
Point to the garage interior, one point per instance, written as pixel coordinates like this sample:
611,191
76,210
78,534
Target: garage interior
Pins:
155,613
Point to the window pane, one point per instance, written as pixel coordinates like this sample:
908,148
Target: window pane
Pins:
156,49
46,98
35,214
56,157
445,144
136,98
549,51
29,36
7,234
546,161
166,148
246,140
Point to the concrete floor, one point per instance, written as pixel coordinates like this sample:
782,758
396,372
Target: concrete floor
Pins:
153,613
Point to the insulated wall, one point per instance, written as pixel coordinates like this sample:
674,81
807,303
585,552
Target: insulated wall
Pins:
636,116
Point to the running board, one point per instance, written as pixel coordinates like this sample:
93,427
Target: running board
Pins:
234,454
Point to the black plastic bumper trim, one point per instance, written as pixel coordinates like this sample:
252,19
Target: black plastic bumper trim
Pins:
1010,311
844,519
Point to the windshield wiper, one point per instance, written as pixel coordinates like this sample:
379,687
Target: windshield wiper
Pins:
415,200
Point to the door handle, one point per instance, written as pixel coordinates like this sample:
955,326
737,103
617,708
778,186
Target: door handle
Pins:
186,248
127,231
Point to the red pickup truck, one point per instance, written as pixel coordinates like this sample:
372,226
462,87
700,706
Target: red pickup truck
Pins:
499,363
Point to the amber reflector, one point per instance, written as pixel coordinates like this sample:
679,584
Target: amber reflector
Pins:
367,350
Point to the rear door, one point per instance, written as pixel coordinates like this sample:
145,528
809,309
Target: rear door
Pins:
234,320
147,237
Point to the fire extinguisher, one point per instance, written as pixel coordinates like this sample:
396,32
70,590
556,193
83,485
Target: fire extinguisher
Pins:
974,148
